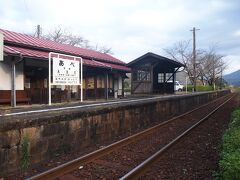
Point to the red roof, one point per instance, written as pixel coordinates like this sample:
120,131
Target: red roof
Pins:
43,54
28,46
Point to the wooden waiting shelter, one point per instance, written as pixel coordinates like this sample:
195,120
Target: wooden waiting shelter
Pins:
24,71
152,73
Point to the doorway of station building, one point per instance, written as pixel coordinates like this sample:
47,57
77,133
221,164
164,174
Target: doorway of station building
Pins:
118,86
36,84
115,88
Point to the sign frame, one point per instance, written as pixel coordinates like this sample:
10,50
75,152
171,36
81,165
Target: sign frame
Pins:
57,55
65,72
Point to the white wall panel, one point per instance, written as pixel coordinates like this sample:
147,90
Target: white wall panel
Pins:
5,76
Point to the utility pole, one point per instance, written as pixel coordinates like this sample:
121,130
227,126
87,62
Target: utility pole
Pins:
38,31
194,57
214,79
221,81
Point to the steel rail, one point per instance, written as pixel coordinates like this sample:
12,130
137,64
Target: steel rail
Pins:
138,170
66,167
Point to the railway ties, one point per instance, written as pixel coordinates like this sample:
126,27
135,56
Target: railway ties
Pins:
116,160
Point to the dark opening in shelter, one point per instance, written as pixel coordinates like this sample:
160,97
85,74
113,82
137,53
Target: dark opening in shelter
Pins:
152,73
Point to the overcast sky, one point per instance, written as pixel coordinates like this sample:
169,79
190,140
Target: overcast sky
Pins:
133,27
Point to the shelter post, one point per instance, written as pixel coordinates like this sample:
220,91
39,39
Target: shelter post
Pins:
13,83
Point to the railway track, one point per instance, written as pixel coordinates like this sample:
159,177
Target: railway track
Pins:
141,169
122,159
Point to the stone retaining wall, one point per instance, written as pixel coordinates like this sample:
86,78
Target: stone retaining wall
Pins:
58,132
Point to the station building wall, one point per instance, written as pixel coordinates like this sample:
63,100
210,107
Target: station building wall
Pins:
5,75
32,81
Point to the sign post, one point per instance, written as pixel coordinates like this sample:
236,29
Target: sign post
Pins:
64,71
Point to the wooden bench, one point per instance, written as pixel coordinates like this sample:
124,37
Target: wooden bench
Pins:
21,97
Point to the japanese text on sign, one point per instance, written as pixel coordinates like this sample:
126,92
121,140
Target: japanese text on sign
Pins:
65,72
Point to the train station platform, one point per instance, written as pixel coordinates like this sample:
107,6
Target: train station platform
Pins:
50,129
38,108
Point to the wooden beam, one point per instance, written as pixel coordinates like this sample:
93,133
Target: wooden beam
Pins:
122,86
106,85
151,78
132,81
172,74
95,86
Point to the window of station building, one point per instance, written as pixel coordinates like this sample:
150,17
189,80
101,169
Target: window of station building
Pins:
169,77
27,83
84,83
141,75
110,82
160,77
100,82
90,82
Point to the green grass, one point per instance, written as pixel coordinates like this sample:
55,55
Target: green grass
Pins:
199,88
237,89
229,164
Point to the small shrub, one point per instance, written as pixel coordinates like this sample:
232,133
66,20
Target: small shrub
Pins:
230,166
231,140
204,88
25,160
199,88
237,89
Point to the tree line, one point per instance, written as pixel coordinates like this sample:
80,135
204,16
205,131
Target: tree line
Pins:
209,65
63,36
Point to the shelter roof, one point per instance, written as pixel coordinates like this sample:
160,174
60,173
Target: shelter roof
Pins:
38,54
145,58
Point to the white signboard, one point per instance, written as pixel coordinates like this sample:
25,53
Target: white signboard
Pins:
65,72
1,46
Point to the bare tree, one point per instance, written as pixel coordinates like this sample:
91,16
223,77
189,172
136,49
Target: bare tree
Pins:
209,64
60,35
63,36
213,66
103,49
181,52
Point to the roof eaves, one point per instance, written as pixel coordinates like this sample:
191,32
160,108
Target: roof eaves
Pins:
16,51
155,56
138,59
52,50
